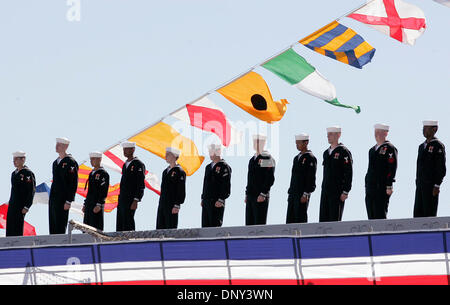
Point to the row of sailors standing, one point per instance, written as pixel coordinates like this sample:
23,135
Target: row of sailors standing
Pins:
336,184
379,179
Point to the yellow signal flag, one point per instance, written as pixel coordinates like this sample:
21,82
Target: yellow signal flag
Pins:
157,138
251,93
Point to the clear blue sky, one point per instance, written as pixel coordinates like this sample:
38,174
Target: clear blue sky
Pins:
126,64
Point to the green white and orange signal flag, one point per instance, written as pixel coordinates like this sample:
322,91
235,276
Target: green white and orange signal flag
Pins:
295,70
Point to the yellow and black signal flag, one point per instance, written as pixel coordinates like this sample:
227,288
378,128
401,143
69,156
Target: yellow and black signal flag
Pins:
251,93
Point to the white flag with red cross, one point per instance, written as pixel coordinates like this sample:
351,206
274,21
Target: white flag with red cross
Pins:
400,20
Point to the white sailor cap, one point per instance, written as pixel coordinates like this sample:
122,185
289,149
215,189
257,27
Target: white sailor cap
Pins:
62,140
430,123
95,154
127,144
381,126
176,152
214,147
302,137
19,154
259,137
334,129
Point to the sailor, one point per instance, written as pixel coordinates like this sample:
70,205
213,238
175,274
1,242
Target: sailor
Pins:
380,174
260,178
216,188
97,186
23,187
430,173
303,181
63,189
132,186
173,191
337,177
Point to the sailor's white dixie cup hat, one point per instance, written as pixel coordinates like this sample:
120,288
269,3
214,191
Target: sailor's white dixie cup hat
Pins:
214,147
302,137
334,129
176,152
260,137
63,140
19,154
127,144
381,126
95,154
430,123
